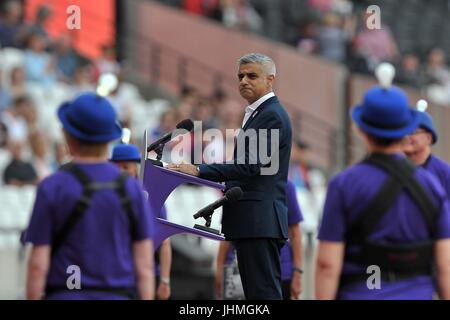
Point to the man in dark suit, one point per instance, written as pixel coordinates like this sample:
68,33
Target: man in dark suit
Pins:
257,223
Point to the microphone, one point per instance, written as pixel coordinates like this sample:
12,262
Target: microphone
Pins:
186,124
233,194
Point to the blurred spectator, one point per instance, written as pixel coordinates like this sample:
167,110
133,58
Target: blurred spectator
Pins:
309,184
3,134
107,63
121,104
66,58
25,109
437,77
409,72
217,99
308,37
5,97
39,65
17,86
204,112
10,23
212,9
374,46
209,8
167,123
239,14
43,14
320,5
41,157
19,172
231,115
81,80
436,70
15,122
188,101
334,35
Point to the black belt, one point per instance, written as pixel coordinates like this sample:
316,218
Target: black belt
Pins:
388,276
129,293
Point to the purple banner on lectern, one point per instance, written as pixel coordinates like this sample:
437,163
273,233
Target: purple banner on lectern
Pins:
159,182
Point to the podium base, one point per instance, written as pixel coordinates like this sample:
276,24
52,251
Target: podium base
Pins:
207,229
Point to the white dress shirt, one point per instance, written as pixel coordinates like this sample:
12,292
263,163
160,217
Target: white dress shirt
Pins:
251,108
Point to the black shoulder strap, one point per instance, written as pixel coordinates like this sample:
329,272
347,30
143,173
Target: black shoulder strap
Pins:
126,203
401,174
89,187
369,218
80,207
403,170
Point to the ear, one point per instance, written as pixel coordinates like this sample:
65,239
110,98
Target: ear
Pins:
270,79
430,138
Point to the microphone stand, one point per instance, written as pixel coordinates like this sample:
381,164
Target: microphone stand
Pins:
207,226
159,151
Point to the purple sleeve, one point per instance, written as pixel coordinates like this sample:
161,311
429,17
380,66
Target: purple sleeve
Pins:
443,230
294,213
39,231
145,224
443,223
333,227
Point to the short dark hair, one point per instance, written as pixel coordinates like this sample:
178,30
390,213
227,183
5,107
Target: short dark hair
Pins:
383,142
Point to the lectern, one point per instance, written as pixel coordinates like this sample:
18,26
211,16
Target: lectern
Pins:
159,183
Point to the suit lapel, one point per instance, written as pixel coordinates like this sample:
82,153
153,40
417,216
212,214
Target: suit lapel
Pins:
258,111
252,116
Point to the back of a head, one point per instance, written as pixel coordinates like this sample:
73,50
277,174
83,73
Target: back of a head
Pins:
125,152
384,113
90,118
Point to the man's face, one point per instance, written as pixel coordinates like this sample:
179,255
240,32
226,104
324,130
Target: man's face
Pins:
253,81
417,142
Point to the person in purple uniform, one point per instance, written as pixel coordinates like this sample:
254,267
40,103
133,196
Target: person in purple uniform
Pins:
91,226
127,157
385,231
417,148
290,256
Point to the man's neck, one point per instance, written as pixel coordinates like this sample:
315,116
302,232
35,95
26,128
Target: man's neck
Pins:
86,159
392,149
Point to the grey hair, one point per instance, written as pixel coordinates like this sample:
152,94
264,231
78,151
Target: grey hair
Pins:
267,62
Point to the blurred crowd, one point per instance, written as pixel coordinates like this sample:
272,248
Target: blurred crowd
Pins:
37,74
334,30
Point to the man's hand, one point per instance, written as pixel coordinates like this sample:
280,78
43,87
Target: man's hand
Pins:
185,168
163,291
218,282
296,286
